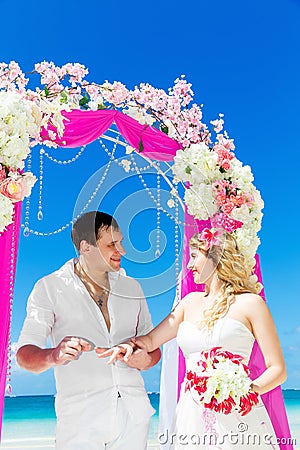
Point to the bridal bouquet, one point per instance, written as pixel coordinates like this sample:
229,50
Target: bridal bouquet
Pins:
222,382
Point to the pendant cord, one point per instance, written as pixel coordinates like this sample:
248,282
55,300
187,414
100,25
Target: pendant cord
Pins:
99,299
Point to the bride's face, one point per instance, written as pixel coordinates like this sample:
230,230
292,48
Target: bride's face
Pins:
201,266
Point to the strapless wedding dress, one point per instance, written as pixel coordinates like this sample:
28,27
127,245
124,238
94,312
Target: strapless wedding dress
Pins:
197,427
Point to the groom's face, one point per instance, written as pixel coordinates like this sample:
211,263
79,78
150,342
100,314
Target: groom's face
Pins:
106,255
110,248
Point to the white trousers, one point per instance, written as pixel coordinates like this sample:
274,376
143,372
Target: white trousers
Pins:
118,433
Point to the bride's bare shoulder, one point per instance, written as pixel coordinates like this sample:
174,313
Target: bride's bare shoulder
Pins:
250,299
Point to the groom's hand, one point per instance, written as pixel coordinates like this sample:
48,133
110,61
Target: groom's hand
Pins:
69,349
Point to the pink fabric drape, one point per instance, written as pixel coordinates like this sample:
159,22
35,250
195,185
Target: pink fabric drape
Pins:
83,127
7,277
273,400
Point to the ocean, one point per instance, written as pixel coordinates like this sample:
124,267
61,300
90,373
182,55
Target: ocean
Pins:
29,421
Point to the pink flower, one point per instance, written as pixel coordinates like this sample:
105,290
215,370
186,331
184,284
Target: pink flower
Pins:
237,200
221,220
210,237
13,188
228,143
224,155
225,164
115,93
217,124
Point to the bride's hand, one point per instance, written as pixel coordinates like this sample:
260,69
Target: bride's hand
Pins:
121,351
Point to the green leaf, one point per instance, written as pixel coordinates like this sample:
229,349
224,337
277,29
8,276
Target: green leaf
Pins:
164,128
101,106
84,100
63,97
141,146
188,170
46,90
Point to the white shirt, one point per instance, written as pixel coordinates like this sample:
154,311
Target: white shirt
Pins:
60,306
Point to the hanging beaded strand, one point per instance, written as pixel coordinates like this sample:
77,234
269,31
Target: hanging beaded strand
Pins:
26,231
117,161
176,242
157,251
43,153
68,224
149,192
40,215
65,161
8,388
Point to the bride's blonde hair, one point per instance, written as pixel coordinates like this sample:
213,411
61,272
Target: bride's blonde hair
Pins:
232,271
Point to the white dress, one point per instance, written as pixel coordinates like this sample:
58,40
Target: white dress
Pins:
197,427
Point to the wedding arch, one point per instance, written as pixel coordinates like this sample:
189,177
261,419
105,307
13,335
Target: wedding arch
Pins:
68,111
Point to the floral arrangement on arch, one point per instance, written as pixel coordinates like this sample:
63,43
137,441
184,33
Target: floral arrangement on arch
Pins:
219,187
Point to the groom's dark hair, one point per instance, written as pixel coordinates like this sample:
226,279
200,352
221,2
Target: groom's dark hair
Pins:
89,226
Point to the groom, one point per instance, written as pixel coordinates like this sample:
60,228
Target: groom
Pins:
90,302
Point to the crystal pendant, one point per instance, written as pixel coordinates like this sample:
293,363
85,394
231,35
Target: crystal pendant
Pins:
40,215
8,389
26,232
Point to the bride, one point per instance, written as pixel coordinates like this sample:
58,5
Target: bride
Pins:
229,314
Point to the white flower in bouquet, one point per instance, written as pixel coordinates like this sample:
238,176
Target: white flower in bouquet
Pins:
226,379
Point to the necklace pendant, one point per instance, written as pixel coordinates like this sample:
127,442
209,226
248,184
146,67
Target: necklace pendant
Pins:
99,298
99,301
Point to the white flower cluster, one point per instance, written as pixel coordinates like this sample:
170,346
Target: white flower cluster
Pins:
226,379
50,111
17,125
198,166
138,114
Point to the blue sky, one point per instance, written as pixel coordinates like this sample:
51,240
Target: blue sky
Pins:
242,59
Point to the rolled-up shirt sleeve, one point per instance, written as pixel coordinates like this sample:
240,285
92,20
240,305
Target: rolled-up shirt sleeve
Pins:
40,317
